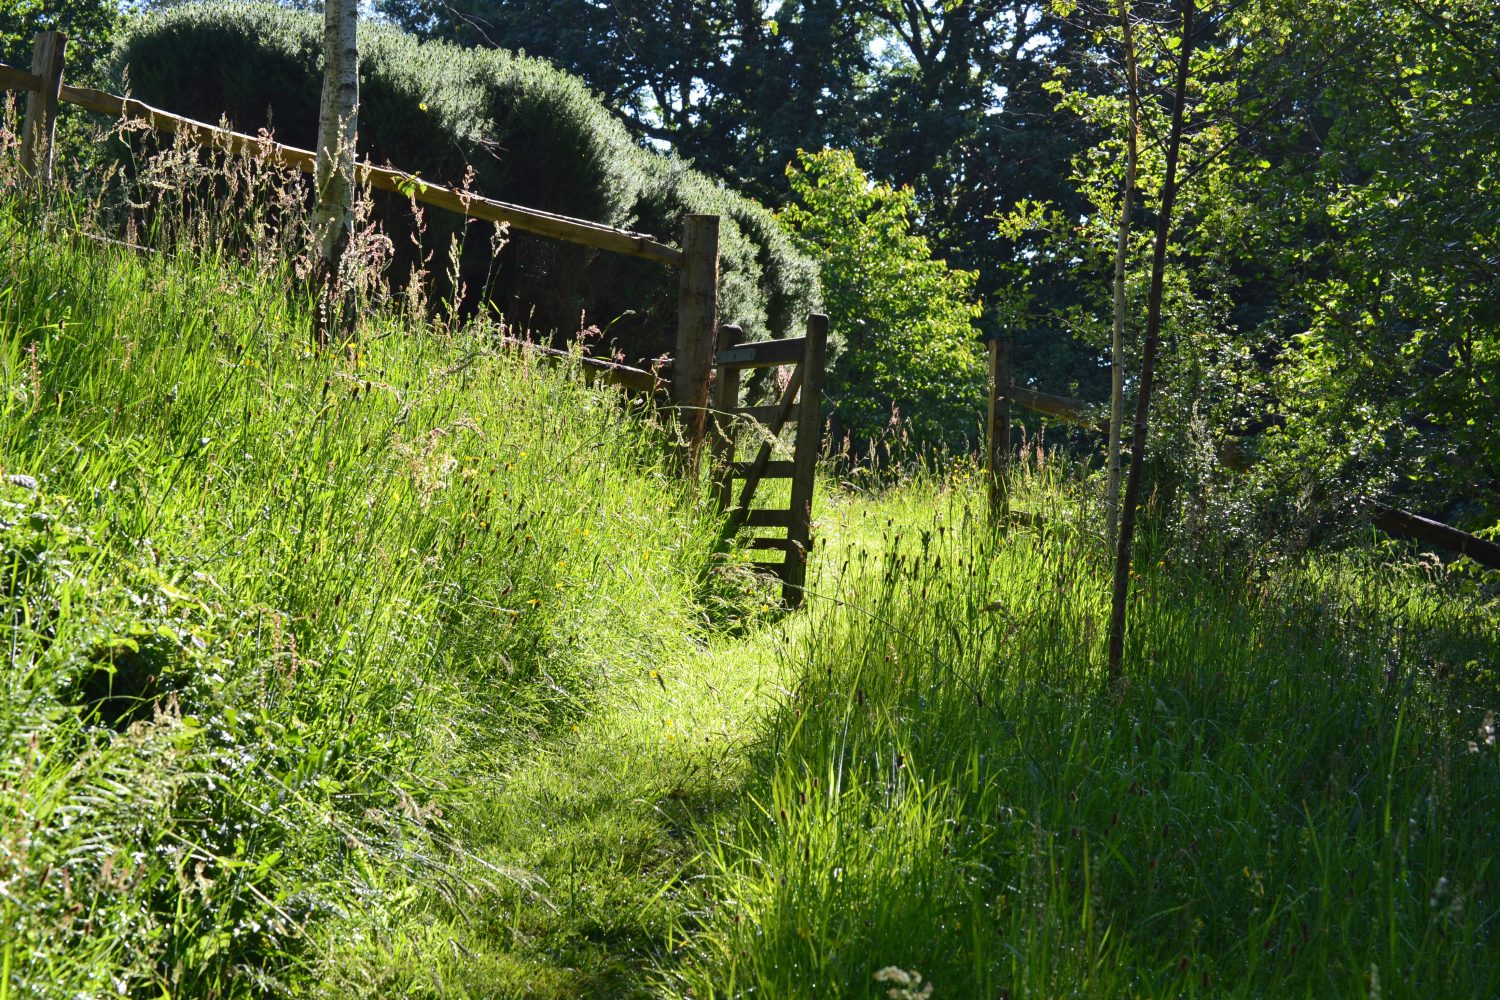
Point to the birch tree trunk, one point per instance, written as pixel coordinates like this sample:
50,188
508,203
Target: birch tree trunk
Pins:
1149,346
333,218
1122,253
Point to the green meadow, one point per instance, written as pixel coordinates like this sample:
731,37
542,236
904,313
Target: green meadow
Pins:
413,668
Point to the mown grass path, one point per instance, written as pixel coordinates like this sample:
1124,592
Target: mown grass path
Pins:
600,828
596,829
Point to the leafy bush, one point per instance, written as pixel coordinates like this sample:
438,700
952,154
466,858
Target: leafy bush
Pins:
518,129
911,362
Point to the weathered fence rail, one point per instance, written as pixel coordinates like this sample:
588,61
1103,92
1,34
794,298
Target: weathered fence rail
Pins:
475,206
697,260
685,379
18,79
1423,529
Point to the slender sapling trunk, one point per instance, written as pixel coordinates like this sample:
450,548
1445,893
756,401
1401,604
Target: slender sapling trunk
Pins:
333,218
1148,351
1122,253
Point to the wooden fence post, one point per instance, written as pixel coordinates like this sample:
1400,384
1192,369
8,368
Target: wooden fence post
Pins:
805,459
997,452
697,316
41,105
722,429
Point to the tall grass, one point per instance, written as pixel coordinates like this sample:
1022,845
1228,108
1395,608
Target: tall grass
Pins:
265,608
1294,795
278,621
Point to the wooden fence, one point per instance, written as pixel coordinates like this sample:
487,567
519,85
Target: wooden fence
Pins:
800,404
696,261
1391,520
684,379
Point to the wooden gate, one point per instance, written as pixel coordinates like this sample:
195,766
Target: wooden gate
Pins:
799,404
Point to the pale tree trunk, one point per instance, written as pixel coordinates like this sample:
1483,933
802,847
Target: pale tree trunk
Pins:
1122,252
333,219
1148,352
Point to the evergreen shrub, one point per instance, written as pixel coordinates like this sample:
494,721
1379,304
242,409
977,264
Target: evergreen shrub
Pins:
531,134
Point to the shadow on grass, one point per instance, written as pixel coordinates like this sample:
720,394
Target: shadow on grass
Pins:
1280,790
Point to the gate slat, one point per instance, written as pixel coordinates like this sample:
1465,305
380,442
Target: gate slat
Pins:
809,434
762,354
762,414
768,518
779,469
763,457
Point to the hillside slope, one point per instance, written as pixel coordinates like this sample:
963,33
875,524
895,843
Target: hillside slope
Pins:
511,127
406,669
265,606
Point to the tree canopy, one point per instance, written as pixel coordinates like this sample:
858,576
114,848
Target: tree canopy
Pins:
911,365
1334,275
940,96
1332,296
90,25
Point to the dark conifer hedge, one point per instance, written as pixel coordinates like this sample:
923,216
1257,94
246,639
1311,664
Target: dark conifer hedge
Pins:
532,134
